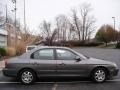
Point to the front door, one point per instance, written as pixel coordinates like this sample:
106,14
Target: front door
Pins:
67,65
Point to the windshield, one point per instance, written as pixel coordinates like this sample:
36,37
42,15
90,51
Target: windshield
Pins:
83,56
86,56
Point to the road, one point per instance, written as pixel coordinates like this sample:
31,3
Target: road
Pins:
70,83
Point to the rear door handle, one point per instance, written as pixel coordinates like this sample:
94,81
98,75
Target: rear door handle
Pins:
62,64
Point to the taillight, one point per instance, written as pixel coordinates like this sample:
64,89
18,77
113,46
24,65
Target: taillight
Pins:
5,62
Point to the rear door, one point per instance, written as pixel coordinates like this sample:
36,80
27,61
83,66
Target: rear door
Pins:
67,65
43,61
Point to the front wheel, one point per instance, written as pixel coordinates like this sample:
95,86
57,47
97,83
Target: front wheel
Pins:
27,76
99,75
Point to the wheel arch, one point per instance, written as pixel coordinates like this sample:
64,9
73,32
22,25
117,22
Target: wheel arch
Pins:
103,67
28,69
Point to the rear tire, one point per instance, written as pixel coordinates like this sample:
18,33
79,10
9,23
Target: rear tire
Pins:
99,75
27,77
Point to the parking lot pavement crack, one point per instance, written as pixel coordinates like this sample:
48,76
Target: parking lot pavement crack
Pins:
55,86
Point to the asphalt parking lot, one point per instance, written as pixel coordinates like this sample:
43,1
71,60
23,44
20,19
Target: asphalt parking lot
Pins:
113,55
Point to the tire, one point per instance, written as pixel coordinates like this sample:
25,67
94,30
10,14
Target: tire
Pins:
99,75
27,77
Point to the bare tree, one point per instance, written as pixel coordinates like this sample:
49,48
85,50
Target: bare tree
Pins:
2,20
47,33
62,25
45,30
83,21
27,37
90,28
76,23
53,36
87,20
71,32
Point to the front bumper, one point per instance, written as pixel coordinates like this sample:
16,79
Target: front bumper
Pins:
114,72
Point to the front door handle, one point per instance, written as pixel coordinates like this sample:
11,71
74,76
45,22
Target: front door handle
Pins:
62,64
35,63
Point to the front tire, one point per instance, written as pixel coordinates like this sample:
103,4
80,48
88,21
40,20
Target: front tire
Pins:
99,75
27,77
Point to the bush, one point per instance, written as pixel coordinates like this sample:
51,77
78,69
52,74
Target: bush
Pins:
92,44
2,52
118,45
11,51
77,43
20,49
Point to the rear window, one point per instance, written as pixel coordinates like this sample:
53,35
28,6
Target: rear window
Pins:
30,48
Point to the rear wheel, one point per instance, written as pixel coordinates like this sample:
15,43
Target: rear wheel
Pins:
27,76
99,75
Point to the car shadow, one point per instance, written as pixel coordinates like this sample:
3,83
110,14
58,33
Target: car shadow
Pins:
62,79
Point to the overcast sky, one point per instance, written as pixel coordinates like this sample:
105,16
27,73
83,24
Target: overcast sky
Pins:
38,10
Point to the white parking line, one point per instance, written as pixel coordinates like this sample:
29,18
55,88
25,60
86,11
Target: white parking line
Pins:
9,82
5,82
55,86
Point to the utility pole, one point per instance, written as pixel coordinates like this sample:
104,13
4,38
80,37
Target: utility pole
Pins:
15,13
15,9
117,35
24,15
6,14
114,22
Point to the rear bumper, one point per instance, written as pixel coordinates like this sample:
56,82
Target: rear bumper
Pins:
9,72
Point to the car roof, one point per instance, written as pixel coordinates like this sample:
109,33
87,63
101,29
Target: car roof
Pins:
40,47
32,46
47,47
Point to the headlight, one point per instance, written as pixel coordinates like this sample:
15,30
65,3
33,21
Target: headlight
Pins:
115,65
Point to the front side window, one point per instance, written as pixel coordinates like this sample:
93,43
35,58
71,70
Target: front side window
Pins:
65,54
44,54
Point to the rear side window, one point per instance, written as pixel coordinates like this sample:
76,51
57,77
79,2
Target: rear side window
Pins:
44,54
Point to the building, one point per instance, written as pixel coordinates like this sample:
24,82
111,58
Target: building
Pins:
3,38
9,37
13,35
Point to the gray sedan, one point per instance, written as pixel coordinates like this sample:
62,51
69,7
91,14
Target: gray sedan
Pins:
56,62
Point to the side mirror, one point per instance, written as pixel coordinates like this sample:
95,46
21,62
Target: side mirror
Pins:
77,58
32,56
